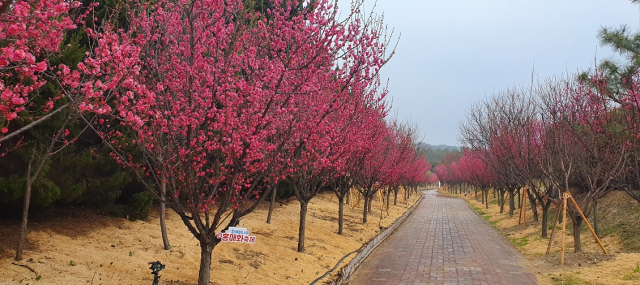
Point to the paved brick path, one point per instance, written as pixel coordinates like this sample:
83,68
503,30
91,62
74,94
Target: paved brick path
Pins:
443,242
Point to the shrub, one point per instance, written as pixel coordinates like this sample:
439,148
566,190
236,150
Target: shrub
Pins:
139,206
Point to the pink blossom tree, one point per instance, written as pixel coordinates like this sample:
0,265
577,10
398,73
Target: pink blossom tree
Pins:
354,143
31,32
223,99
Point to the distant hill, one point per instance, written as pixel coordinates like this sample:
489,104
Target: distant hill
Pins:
437,152
443,147
440,147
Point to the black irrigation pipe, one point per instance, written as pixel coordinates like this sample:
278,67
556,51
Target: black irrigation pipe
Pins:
337,264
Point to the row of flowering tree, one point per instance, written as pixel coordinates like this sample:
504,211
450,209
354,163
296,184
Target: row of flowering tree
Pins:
560,135
214,103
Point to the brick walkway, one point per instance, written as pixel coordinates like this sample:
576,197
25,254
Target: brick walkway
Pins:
443,242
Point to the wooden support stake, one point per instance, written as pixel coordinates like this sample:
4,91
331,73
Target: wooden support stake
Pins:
387,205
588,225
523,207
564,225
357,202
555,222
405,195
382,203
351,199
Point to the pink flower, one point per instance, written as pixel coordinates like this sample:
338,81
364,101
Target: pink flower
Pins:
11,116
49,105
6,94
21,9
4,130
41,66
62,7
17,55
17,100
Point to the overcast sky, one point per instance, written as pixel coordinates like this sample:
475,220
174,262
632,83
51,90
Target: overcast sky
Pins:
454,53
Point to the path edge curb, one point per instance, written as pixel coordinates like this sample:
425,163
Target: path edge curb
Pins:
344,275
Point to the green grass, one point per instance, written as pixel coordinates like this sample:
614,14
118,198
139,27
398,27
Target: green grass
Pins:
479,210
619,215
570,279
633,274
484,215
519,242
551,217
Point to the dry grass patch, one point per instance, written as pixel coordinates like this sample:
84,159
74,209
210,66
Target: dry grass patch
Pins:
620,233
81,247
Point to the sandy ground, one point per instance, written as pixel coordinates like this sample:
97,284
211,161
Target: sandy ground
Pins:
589,267
80,247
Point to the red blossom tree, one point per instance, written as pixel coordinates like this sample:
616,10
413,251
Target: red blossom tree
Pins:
31,32
225,100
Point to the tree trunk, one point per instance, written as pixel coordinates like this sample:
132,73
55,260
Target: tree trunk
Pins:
595,216
25,217
534,207
364,213
204,273
395,196
274,192
501,200
576,221
163,216
340,214
348,196
545,215
486,198
512,203
369,205
388,198
30,179
519,199
303,224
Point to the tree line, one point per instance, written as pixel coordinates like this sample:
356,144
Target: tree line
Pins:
578,134
210,106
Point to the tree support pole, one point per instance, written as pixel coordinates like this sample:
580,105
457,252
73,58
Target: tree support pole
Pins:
587,222
357,202
564,225
522,210
555,222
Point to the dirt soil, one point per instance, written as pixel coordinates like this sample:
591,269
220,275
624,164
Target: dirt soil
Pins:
80,247
591,266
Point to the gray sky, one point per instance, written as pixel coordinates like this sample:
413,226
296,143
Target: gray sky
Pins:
454,53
